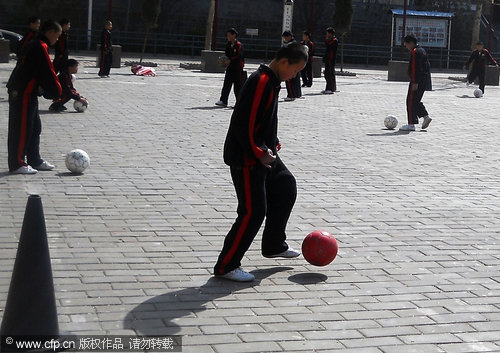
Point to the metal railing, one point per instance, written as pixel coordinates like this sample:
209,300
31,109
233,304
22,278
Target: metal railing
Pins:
256,47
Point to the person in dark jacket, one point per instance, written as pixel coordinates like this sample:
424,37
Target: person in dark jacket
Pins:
234,70
479,58
31,34
264,186
420,81
68,90
293,88
307,73
106,50
34,76
61,47
329,58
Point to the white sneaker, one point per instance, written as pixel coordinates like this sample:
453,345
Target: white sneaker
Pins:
409,127
327,91
25,169
287,254
221,104
238,275
426,122
45,166
288,99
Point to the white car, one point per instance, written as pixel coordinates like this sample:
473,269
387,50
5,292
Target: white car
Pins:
13,37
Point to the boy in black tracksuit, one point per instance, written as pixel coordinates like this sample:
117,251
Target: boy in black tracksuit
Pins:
293,88
479,58
307,73
31,34
264,186
61,47
33,76
106,50
420,81
68,90
329,58
234,71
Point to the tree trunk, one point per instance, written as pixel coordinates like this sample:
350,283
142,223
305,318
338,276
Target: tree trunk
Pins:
144,45
210,23
477,24
342,52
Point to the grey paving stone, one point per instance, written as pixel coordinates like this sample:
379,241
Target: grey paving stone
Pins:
134,239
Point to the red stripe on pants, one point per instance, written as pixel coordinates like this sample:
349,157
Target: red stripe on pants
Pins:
244,222
24,121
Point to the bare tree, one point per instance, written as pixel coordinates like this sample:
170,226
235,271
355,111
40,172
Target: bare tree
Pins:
343,20
477,23
151,10
210,24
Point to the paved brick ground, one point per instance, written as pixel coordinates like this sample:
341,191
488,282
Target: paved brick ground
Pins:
133,240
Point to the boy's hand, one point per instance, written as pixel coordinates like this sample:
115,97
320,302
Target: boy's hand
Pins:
267,159
84,100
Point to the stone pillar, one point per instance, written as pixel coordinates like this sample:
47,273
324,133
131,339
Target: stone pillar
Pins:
317,66
4,50
117,56
398,71
490,77
211,62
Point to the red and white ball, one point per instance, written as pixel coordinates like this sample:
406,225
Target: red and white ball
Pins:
319,248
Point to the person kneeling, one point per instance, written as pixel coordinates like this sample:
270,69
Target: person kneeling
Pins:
68,90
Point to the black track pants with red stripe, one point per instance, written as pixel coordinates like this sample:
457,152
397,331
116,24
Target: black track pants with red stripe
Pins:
414,107
234,75
262,193
331,81
106,61
293,88
307,74
25,128
480,73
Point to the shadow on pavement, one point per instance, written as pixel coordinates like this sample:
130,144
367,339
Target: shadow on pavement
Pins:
214,107
391,133
68,174
308,278
314,94
156,315
45,112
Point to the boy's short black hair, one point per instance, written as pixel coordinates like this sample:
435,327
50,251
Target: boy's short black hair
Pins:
307,33
64,21
33,19
410,38
479,43
232,31
294,53
71,62
107,22
50,25
287,34
330,30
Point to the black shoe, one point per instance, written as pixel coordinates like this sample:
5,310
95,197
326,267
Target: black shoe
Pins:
57,109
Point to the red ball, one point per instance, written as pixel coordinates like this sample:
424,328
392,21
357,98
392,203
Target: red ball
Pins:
319,248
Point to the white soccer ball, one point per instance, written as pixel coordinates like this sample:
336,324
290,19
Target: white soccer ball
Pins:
79,106
77,161
391,122
478,93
